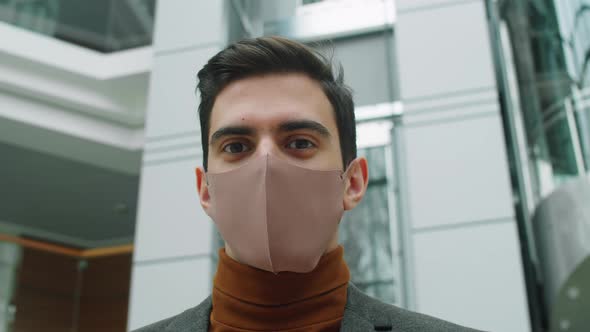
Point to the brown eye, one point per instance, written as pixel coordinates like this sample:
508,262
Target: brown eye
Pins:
235,147
300,144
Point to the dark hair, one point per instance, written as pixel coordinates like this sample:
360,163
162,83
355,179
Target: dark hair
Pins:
269,55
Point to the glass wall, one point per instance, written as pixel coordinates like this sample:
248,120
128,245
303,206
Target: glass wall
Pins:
47,287
548,42
366,236
542,52
105,26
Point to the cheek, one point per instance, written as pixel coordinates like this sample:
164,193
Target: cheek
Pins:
214,165
336,156
330,158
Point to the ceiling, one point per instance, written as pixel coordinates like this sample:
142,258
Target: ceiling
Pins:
58,200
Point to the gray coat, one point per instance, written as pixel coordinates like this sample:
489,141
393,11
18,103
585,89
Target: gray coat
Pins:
362,313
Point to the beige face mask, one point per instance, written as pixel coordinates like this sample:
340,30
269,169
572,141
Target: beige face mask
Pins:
277,216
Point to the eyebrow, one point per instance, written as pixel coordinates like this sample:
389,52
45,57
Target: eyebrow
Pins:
287,126
231,131
304,124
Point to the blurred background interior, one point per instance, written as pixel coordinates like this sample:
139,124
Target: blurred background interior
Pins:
474,115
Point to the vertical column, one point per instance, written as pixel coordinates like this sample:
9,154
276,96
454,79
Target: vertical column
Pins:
172,259
466,258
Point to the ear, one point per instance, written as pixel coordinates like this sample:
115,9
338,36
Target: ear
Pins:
357,180
203,189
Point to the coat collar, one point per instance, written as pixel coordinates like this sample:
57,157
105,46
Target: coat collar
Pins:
357,315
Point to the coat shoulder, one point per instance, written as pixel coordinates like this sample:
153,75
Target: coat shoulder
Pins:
195,319
385,316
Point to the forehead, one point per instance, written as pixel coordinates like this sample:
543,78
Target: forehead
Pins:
270,100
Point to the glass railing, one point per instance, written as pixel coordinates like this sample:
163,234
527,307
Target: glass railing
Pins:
565,128
542,56
105,25
49,287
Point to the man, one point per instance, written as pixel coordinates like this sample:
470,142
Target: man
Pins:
279,169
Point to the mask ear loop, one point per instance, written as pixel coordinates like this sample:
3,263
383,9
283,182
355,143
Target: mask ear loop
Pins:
344,173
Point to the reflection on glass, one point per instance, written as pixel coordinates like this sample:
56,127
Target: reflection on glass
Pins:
542,53
10,256
550,47
53,289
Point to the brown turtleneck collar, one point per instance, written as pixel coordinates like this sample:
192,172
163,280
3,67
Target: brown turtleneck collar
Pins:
250,299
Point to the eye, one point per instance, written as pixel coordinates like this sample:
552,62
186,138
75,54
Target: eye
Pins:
300,144
235,147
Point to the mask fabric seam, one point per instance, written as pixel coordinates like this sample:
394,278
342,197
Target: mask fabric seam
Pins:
266,162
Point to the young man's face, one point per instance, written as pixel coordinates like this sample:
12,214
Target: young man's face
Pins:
286,115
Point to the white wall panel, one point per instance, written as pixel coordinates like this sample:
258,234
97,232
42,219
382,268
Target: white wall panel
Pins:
472,276
404,5
443,49
457,172
172,261
186,23
171,221
172,100
166,289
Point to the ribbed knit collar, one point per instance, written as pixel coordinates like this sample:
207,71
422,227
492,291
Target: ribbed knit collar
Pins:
252,299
